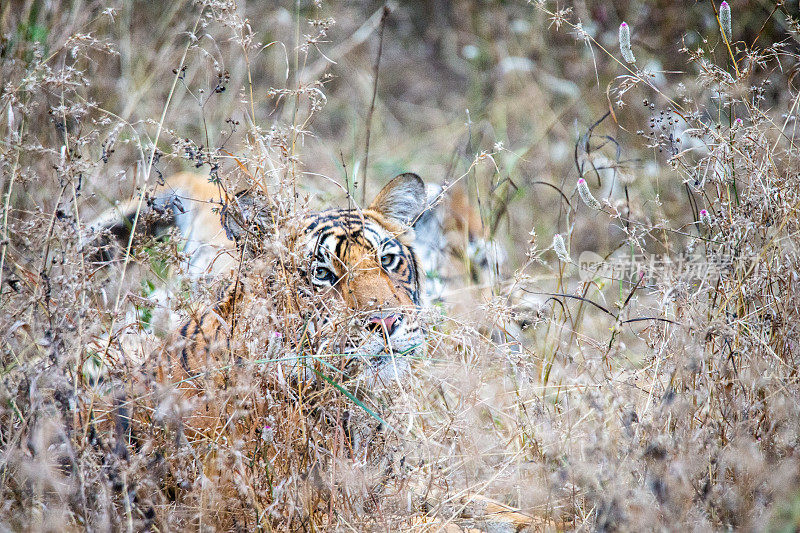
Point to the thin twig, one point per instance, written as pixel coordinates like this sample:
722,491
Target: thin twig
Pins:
142,193
375,72
4,244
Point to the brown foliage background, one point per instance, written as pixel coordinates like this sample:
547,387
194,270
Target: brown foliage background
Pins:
660,402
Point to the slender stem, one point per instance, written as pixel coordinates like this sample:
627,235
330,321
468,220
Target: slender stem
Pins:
375,71
4,244
147,170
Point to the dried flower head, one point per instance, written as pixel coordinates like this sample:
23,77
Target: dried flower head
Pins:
560,248
725,20
625,43
586,195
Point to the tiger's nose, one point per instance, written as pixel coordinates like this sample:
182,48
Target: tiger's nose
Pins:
378,323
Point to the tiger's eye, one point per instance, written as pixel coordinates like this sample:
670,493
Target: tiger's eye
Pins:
324,274
388,260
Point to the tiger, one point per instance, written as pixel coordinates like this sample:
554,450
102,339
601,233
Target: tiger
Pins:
365,261
363,258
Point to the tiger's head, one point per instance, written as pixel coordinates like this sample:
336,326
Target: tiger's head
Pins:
366,260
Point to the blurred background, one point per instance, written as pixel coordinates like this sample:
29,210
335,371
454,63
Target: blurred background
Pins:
457,79
608,403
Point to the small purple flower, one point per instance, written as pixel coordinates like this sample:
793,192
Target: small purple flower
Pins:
267,434
705,217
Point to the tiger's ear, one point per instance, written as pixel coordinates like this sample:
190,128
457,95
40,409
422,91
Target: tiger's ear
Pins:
402,199
247,212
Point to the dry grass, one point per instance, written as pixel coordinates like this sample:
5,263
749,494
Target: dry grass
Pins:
658,402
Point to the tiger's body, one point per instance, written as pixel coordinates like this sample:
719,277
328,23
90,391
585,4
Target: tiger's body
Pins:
450,239
186,201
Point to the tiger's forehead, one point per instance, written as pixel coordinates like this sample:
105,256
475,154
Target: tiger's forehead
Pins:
349,241
332,229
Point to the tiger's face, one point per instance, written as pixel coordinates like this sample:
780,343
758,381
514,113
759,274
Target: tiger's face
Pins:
368,263
366,260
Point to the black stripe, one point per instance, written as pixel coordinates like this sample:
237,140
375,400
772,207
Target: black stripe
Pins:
412,259
339,245
184,353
